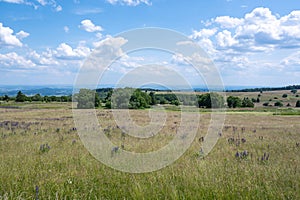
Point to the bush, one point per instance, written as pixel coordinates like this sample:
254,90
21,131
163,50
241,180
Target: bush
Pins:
284,95
87,99
294,91
247,103
266,104
210,100
298,104
278,103
21,97
234,102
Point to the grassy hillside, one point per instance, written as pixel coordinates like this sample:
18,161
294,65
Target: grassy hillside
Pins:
41,156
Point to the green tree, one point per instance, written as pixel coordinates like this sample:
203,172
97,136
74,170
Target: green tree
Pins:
87,99
247,103
294,91
278,103
234,102
153,99
175,102
298,104
210,100
266,104
140,100
37,97
6,98
120,98
21,97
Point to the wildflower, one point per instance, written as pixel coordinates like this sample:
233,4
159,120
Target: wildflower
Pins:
230,140
114,150
36,192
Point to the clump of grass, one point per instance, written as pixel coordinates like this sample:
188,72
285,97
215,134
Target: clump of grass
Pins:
70,172
44,148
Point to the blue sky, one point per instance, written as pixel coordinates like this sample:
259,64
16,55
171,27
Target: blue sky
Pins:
252,42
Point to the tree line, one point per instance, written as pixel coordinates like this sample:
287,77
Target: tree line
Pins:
21,97
132,98
139,99
290,87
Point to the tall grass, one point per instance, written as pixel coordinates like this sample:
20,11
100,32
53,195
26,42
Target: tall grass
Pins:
68,171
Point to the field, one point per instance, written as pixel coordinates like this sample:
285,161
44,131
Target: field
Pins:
42,156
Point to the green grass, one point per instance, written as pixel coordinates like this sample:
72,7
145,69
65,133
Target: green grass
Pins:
68,171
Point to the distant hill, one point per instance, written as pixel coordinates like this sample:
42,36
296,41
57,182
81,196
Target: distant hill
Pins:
32,90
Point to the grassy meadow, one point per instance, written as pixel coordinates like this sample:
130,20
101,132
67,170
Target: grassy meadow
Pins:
42,157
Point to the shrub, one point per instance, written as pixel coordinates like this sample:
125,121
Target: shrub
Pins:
247,103
234,102
284,95
210,100
278,103
266,104
298,103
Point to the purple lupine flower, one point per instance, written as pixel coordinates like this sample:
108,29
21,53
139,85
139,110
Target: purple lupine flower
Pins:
36,192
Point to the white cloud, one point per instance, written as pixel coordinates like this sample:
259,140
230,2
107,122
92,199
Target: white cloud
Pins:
14,60
292,60
42,2
66,29
228,22
13,1
250,46
58,8
64,51
224,39
203,33
259,30
51,3
88,26
129,2
22,34
7,38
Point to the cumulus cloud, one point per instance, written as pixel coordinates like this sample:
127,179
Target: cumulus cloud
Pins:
250,44
225,39
7,38
12,59
258,30
129,2
88,26
65,51
228,22
203,33
22,34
